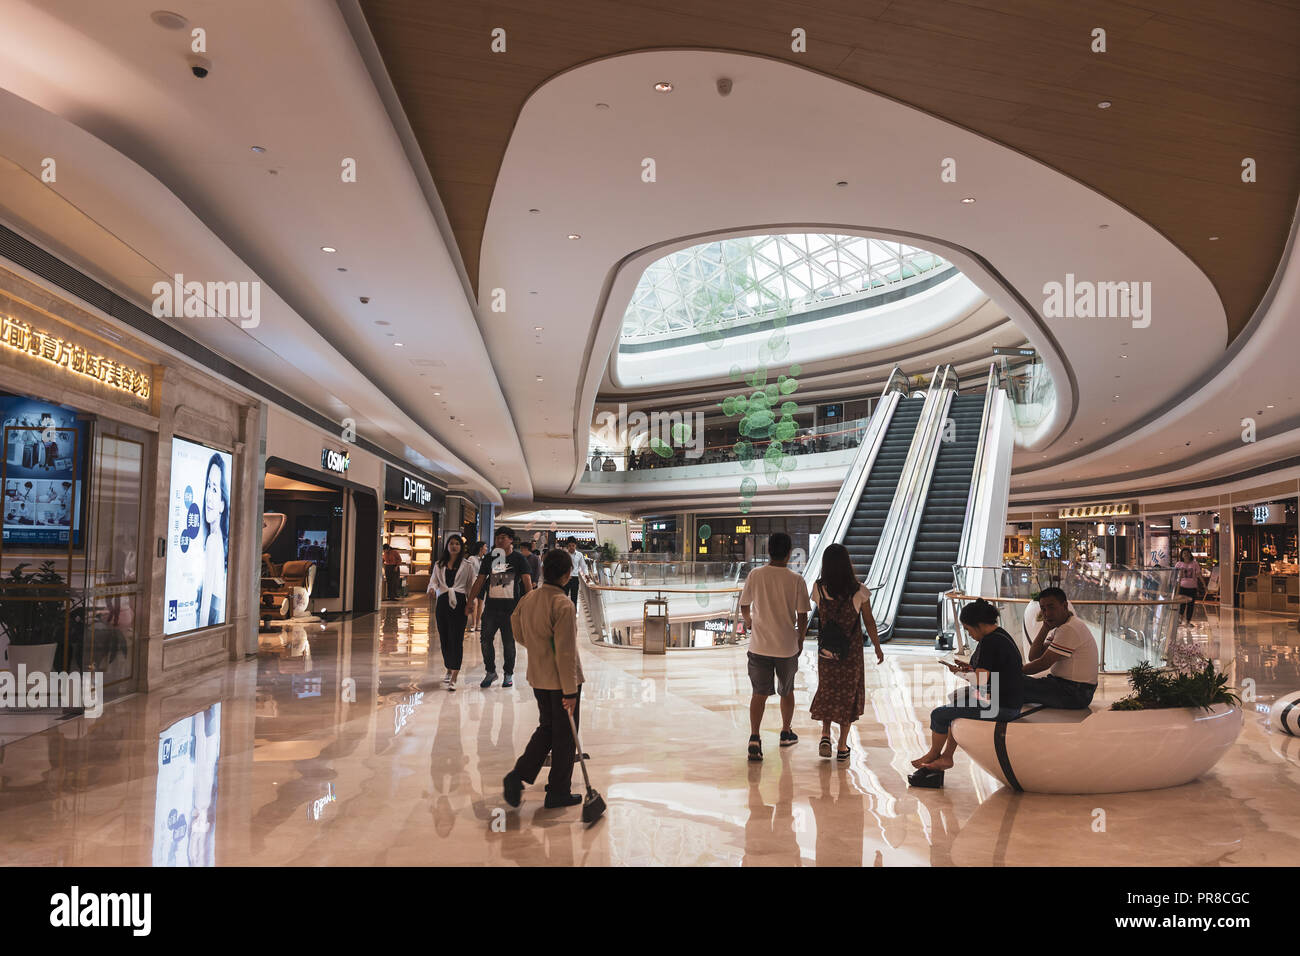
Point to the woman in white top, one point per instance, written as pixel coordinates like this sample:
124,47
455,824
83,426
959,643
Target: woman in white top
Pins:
1189,580
476,561
450,583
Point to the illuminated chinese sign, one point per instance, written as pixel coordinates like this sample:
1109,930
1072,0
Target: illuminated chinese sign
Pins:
1097,511
18,336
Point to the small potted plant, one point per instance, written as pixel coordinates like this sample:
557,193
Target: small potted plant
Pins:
37,610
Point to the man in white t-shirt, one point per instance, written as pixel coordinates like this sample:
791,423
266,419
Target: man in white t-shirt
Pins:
774,604
1066,649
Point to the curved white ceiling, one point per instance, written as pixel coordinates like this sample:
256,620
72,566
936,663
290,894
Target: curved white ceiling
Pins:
288,77
581,168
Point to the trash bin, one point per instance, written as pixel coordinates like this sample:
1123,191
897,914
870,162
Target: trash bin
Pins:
654,626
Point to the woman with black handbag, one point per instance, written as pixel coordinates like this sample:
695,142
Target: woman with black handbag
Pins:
843,605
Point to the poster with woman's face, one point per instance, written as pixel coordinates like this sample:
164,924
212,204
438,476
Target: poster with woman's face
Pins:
198,537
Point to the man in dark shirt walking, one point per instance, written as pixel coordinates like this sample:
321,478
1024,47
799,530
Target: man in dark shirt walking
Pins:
505,575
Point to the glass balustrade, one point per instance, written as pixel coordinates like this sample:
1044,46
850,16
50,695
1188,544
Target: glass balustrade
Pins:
604,464
1132,612
702,601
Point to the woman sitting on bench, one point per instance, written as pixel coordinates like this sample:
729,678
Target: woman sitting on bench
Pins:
997,692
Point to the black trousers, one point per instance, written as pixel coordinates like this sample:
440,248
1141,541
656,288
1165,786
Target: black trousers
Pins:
553,737
572,588
393,581
1190,605
451,629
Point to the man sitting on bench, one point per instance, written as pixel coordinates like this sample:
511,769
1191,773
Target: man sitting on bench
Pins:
1066,646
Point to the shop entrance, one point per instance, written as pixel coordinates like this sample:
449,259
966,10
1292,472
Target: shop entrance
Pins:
306,556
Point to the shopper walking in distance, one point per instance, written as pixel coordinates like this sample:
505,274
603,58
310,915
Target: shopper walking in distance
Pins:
1189,580
843,606
774,604
449,585
503,576
534,562
579,568
476,562
392,571
547,625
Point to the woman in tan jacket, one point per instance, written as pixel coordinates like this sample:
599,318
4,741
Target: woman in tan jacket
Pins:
546,623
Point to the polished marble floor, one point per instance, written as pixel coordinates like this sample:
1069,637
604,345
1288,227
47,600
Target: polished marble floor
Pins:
339,745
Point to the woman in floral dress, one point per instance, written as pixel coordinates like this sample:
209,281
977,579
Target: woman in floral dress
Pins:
841,683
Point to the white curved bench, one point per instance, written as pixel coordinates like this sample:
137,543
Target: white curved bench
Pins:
1100,750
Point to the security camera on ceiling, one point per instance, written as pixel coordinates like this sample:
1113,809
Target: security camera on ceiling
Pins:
724,86
200,66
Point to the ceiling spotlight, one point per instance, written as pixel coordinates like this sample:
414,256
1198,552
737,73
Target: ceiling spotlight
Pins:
538,328
968,200
1104,105
1104,225
1214,238
842,183
437,393
397,345
343,269
602,106
1123,356
1268,406
539,378
168,20
382,322
328,249
534,211
574,235
663,87
258,149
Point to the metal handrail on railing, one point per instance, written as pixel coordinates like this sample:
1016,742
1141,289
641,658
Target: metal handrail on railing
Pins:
955,597
846,499
896,537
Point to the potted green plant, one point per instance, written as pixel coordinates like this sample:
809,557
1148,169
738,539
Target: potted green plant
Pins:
37,610
1190,680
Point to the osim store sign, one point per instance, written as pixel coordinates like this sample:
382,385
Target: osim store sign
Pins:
335,461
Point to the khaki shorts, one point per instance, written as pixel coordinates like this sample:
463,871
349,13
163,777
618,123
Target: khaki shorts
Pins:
772,675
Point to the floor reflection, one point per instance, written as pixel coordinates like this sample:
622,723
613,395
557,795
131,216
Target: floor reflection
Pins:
339,745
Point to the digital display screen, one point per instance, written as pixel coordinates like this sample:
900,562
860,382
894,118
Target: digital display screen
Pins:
1050,539
185,807
44,464
198,537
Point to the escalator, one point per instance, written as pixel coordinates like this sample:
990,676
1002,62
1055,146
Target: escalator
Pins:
939,537
873,506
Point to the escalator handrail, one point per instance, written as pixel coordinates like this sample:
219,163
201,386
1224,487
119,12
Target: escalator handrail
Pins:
974,497
846,499
894,548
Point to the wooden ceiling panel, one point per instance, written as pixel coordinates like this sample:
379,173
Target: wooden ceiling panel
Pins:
1197,85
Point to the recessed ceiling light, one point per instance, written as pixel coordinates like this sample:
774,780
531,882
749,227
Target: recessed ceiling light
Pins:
343,269
1104,225
258,149
538,328
842,183
397,345
1123,356
1214,238
539,378
602,106
382,322
437,393
663,87
534,211
1104,105
574,235
328,249
1268,406
968,200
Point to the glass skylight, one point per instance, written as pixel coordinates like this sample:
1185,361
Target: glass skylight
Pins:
734,282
